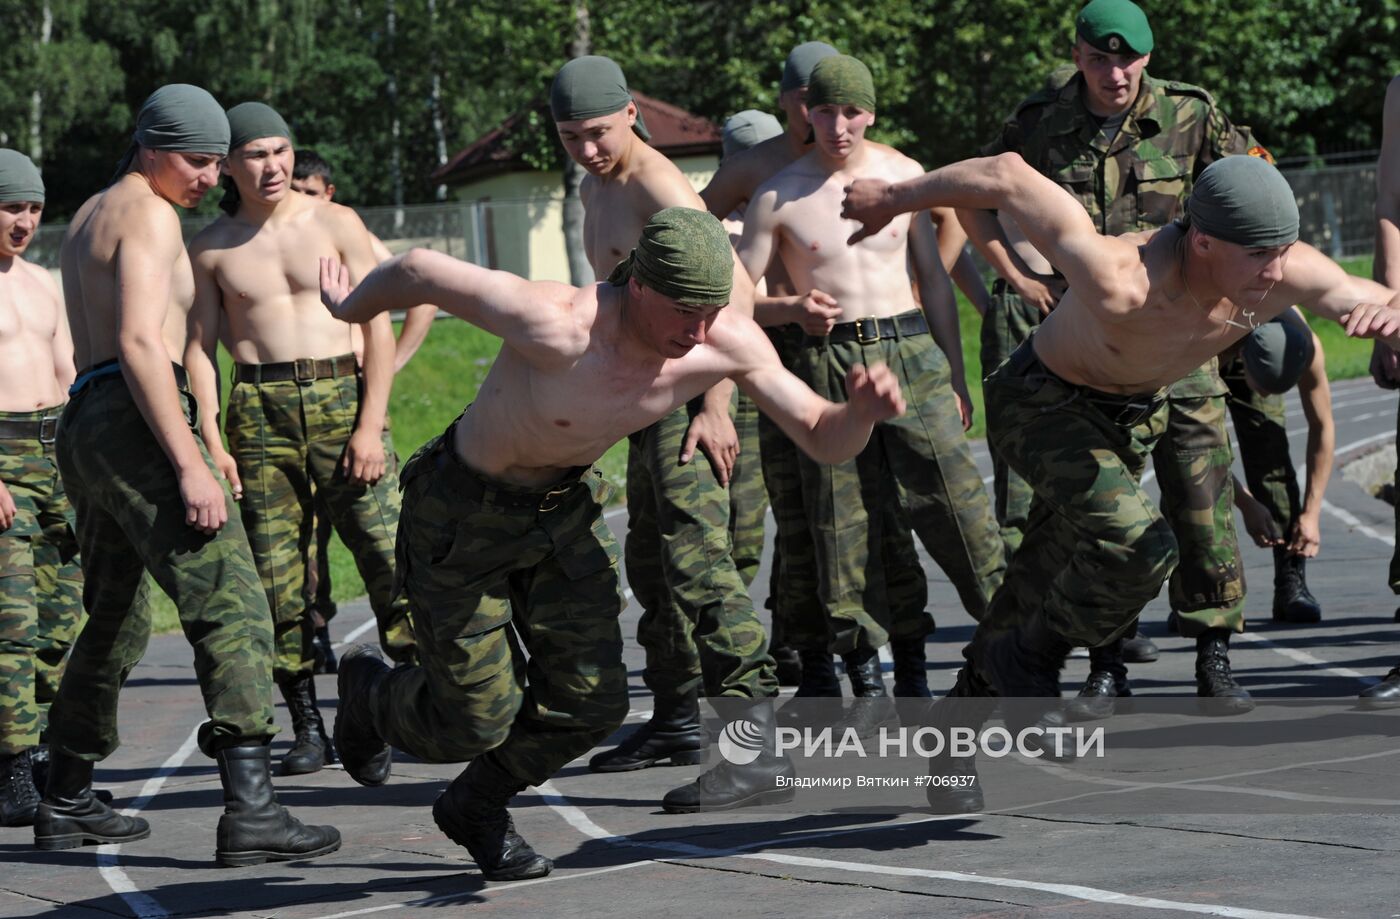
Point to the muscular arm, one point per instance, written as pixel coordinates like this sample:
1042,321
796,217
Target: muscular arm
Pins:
202,364
1316,396
1057,225
940,307
1363,307
364,459
952,251
64,370
416,322
144,263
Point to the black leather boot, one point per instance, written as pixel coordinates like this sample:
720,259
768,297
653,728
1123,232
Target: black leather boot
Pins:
954,786
367,758
1023,661
472,812
727,786
1108,680
818,675
1385,694
674,734
871,708
70,814
910,672
312,748
39,760
254,827
788,665
1213,677
322,653
1140,650
1293,602
19,799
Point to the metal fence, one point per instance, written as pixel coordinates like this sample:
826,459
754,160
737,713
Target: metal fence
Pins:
1337,205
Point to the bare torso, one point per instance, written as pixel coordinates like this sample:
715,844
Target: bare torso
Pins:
870,278
618,206
32,325
748,170
532,421
118,218
269,282
1170,336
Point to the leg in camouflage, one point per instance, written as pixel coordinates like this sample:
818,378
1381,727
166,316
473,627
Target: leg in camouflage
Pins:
318,589
1009,320
748,501
1262,434
923,456
1096,549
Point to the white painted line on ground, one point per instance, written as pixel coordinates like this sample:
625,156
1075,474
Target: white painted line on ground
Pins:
1303,657
575,817
142,905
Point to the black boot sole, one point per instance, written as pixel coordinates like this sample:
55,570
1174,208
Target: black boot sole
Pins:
537,867
767,796
1220,707
74,840
291,768
955,800
678,758
259,856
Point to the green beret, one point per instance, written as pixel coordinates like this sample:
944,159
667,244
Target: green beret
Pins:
1116,26
1246,201
683,254
250,121
19,179
589,87
841,80
178,117
797,71
1276,354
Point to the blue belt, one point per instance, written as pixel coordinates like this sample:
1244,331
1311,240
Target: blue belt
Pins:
93,374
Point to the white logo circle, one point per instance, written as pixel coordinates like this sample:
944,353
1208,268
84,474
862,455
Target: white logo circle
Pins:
741,742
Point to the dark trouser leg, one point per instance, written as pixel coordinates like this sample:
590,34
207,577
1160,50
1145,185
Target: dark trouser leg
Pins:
1008,322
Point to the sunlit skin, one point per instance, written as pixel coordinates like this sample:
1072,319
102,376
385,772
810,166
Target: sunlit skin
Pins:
1242,275
671,329
264,166
838,128
1112,80
180,178
315,187
599,144
19,221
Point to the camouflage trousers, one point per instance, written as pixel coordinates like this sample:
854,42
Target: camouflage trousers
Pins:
131,519
41,584
1192,461
1009,320
1261,433
799,618
919,462
698,624
748,500
288,439
515,596
1096,548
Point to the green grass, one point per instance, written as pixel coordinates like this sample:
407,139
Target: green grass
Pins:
448,370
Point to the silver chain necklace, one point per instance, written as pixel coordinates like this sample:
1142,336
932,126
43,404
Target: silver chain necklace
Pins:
1248,315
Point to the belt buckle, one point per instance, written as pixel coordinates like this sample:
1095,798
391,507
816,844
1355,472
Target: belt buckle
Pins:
1133,414
554,497
48,429
861,337
304,369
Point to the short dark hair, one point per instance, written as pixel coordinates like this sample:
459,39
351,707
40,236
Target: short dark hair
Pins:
310,163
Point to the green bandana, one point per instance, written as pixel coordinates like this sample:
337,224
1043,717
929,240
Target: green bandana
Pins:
683,254
797,72
250,121
590,87
179,117
1276,354
1115,26
1246,201
19,179
841,80
747,129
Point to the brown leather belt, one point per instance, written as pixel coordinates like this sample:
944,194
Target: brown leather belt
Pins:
870,330
303,370
41,429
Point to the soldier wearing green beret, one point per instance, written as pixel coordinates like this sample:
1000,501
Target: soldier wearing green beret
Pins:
503,547
1128,148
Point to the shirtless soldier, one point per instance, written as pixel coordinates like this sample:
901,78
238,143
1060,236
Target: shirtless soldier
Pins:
698,623
300,413
1079,405
41,593
503,521
312,176
920,461
156,504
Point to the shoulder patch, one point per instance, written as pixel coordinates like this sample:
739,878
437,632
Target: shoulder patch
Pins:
1262,153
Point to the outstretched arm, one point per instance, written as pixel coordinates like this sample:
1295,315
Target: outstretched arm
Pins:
1053,221
1318,284
1315,393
